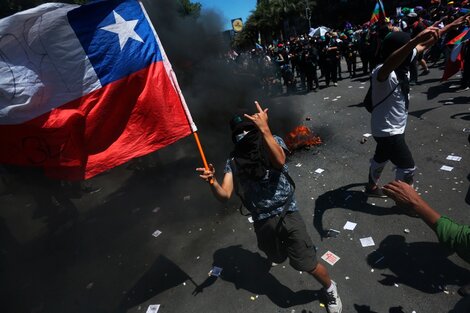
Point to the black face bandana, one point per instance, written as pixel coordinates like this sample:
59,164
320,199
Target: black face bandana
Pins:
250,156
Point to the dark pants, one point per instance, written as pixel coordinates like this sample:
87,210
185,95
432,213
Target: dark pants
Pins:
286,237
312,77
331,71
395,149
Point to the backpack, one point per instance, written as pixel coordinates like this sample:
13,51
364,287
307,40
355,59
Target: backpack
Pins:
367,102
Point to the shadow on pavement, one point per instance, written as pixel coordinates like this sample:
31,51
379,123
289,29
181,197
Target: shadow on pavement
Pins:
363,309
421,265
249,271
463,306
419,113
435,91
344,198
162,275
463,116
467,197
429,81
365,78
358,105
455,100
366,309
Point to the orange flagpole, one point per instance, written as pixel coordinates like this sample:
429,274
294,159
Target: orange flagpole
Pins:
204,161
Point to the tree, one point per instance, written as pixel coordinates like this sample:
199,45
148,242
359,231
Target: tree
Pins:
188,8
275,19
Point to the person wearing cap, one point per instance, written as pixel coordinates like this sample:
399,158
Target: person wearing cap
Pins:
257,172
390,98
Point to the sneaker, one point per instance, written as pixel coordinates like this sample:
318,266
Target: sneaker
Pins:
463,89
333,301
375,192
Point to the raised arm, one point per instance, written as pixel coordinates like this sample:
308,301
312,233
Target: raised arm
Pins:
398,56
275,152
456,23
428,43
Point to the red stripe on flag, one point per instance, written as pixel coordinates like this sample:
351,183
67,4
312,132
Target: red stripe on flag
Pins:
123,120
452,68
458,38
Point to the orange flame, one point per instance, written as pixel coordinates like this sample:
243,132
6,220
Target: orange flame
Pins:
301,137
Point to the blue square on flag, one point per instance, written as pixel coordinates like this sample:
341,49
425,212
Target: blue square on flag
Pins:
116,37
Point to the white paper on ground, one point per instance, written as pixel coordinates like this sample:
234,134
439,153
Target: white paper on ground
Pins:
367,135
156,233
367,242
446,168
250,219
153,308
319,170
454,158
330,258
349,225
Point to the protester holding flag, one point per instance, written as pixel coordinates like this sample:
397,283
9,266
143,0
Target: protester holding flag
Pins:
257,172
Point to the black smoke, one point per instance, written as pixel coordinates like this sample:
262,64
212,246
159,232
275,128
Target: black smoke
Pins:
214,89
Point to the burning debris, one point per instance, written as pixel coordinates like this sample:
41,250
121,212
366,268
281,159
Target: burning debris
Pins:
301,137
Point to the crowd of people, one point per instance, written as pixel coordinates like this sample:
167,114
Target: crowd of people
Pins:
391,50
300,62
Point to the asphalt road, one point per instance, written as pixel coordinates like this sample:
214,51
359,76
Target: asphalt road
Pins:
62,251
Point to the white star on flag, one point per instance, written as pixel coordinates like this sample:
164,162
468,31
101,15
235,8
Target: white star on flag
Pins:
124,29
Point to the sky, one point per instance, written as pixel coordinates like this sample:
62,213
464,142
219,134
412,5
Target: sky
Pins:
230,9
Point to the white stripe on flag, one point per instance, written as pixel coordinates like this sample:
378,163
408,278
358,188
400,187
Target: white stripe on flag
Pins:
42,63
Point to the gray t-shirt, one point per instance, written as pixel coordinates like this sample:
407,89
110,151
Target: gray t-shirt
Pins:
389,117
266,197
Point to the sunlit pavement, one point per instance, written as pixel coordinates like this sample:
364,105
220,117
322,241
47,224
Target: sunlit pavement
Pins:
63,249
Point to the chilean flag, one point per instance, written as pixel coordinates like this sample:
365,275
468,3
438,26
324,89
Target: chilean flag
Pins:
85,88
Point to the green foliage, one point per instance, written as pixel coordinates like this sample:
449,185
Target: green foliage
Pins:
188,8
268,19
